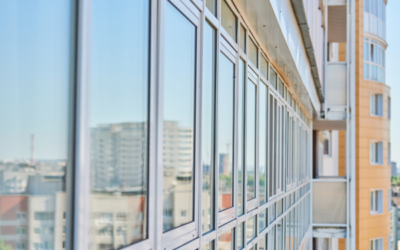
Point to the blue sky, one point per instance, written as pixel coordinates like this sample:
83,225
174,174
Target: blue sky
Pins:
392,68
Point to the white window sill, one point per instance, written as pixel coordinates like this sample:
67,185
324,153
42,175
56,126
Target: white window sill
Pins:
376,164
374,115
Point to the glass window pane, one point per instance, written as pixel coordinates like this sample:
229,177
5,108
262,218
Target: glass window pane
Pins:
287,234
242,38
262,220
280,87
271,238
366,6
262,143
271,213
279,235
119,119
271,142
264,67
225,241
273,77
240,242
253,52
36,82
208,246
179,116
366,52
250,228
282,128
212,6
292,231
261,244
278,207
228,20
251,100
225,131
366,71
240,137
276,148
207,126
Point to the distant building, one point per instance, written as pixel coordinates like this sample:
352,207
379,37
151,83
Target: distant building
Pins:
393,168
395,224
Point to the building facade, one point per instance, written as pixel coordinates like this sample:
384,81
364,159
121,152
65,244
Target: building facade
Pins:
190,124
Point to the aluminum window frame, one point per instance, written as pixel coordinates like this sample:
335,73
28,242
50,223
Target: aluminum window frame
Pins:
380,59
374,240
185,233
376,104
376,152
181,237
376,194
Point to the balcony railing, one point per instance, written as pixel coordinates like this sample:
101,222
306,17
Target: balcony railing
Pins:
329,202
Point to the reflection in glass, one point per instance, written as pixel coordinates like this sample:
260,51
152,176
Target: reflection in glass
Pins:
280,87
279,235
271,238
251,99
208,246
272,213
225,241
240,136
261,244
287,240
228,20
207,126
262,220
271,148
239,235
366,71
293,231
253,53
273,77
282,169
212,6
179,116
262,142
119,123
250,228
293,143
242,41
288,152
264,67
277,147
36,82
225,131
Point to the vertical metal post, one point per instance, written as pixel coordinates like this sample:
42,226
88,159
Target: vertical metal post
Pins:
81,189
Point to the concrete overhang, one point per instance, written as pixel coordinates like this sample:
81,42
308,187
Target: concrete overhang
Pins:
329,124
329,232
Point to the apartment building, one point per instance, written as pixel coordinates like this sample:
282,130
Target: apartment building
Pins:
194,124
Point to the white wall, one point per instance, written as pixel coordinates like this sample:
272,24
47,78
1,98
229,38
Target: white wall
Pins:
331,162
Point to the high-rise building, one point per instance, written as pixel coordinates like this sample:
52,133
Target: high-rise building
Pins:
194,124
